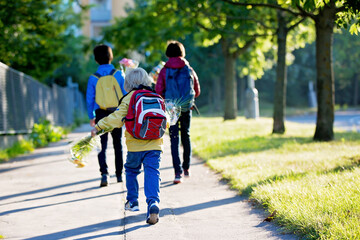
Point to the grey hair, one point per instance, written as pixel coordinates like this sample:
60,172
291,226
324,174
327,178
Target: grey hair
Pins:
135,77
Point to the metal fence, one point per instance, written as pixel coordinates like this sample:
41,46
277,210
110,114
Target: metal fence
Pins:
24,101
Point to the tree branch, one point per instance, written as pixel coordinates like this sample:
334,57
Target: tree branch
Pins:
305,13
340,9
247,45
250,19
236,34
275,6
295,25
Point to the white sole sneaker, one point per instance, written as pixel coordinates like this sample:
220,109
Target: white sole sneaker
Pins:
154,214
133,208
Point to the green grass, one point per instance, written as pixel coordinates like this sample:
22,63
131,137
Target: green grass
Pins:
321,206
313,186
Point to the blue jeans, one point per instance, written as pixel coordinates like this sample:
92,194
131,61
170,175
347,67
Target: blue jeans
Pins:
116,136
151,162
184,128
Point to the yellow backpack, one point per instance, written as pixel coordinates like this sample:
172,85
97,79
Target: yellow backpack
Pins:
107,92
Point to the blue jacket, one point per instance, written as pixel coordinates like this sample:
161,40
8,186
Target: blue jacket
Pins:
103,70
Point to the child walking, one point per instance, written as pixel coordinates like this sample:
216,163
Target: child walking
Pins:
100,104
178,81
140,152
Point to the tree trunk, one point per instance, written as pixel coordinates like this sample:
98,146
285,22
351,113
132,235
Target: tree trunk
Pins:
214,96
281,77
230,89
230,83
217,94
324,25
356,89
241,93
210,100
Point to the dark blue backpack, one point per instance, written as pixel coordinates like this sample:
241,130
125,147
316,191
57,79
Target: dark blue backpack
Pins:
180,87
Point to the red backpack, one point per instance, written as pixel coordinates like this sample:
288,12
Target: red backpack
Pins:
146,118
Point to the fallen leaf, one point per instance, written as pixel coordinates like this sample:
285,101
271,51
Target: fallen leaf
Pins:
270,217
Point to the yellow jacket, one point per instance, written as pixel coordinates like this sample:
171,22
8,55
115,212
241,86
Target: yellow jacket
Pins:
115,120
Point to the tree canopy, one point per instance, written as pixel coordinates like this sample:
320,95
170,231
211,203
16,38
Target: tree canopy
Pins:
33,34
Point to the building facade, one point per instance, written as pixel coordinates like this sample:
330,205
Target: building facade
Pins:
102,14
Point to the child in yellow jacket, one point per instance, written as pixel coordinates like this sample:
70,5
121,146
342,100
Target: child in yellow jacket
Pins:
146,152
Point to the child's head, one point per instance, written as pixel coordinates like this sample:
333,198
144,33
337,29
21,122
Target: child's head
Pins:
136,77
103,54
175,49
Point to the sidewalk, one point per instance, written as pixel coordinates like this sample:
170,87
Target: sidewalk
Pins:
348,120
44,196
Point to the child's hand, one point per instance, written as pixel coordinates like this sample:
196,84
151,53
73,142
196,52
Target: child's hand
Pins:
92,122
93,132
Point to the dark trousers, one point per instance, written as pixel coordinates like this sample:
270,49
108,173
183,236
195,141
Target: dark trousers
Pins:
182,125
116,136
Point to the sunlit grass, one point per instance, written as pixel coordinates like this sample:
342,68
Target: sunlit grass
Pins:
288,173
322,206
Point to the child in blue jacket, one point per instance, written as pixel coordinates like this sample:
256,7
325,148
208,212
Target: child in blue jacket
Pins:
103,56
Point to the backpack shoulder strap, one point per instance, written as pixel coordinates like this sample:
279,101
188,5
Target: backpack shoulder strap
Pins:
190,71
172,72
113,71
97,75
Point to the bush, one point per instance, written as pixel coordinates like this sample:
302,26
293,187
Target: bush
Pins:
21,147
44,133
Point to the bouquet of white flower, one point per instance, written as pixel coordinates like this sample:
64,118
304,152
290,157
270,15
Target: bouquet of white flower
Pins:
173,111
81,148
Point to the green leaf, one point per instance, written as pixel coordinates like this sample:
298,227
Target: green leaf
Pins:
354,29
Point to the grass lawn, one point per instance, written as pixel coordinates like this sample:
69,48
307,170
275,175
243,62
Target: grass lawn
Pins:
313,186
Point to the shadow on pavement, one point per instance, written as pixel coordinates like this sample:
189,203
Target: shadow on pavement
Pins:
82,230
116,233
119,223
59,203
47,189
181,210
37,155
27,166
50,196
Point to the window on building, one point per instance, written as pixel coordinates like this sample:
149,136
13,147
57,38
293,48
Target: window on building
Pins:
101,12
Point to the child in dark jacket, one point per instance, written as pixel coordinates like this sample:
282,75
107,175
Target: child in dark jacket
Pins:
176,60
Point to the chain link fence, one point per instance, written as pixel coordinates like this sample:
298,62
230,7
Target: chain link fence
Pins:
24,101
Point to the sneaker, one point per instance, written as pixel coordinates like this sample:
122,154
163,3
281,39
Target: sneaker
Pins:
132,206
153,214
104,180
119,178
177,179
186,173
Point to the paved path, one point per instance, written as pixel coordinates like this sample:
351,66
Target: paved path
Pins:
344,120
43,196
